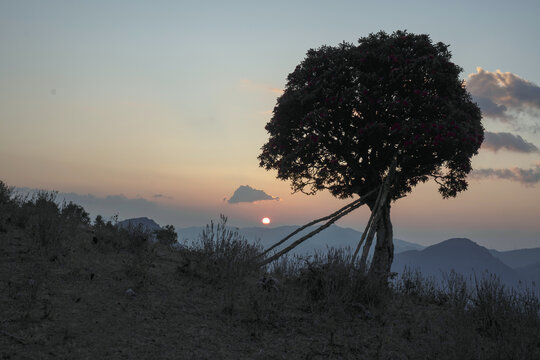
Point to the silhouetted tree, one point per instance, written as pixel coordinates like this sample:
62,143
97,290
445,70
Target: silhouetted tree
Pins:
349,112
167,235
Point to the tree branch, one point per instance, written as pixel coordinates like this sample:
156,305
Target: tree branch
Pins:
333,218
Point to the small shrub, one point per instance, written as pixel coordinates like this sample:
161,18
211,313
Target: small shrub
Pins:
287,267
222,253
167,235
528,301
455,290
136,239
413,283
495,306
44,217
74,214
329,281
107,236
6,192
7,205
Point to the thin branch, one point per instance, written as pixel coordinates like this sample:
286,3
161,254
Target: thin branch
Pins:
368,226
369,239
336,213
377,211
359,203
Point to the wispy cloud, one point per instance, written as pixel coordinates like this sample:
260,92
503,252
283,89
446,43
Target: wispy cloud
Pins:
248,84
495,141
161,196
528,177
246,193
502,95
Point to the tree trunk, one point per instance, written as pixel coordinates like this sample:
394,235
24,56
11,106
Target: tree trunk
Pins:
384,248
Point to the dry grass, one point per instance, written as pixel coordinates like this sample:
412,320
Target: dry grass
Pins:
64,294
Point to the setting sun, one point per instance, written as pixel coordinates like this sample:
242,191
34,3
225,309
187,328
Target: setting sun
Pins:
265,221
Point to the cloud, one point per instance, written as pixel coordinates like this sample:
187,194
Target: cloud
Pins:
177,214
248,84
502,95
528,177
161,196
495,141
246,193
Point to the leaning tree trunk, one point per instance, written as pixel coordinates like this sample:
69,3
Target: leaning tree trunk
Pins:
384,248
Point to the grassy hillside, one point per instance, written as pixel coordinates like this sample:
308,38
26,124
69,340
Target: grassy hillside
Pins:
73,289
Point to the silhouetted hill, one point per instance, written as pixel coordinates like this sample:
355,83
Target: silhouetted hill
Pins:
530,272
146,223
462,255
518,258
334,236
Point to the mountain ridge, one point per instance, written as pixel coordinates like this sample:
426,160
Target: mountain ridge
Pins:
460,254
465,257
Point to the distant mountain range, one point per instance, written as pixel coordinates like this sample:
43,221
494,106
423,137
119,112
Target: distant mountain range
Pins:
471,260
518,258
460,254
334,236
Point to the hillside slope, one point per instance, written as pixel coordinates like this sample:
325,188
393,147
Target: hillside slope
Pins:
459,254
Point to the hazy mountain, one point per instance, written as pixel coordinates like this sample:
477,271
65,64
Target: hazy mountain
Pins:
146,223
530,272
334,236
518,258
462,255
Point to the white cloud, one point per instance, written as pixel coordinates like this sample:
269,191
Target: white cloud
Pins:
503,96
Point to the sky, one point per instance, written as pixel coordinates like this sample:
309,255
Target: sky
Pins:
157,108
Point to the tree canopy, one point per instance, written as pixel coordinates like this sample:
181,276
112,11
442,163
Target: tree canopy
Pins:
348,111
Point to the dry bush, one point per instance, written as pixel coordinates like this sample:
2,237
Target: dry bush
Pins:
167,235
328,282
220,254
44,218
413,283
6,193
